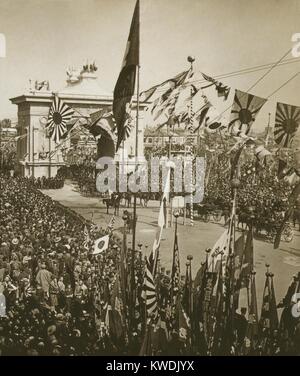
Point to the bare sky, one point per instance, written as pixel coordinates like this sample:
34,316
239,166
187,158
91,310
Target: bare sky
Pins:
44,37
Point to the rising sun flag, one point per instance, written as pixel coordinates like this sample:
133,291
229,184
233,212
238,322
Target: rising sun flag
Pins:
287,122
59,116
243,113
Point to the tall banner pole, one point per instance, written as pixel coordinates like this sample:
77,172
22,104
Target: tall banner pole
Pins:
132,297
191,60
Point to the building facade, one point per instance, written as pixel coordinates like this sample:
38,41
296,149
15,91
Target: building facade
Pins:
37,154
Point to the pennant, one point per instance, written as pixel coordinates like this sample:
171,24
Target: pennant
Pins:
287,122
166,87
101,245
222,90
59,115
125,85
244,111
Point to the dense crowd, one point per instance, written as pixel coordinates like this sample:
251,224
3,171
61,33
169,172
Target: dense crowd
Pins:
62,300
262,196
50,281
56,182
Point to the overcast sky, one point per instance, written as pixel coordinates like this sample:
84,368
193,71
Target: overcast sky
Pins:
44,37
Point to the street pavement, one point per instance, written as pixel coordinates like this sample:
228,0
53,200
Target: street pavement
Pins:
284,262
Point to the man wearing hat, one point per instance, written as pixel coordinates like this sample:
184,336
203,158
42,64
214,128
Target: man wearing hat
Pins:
43,279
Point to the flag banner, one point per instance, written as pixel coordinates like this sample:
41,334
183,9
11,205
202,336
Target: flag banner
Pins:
160,223
261,153
101,245
244,111
184,333
252,325
268,322
87,239
287,122
222,90
175,276
111,225
165,88
125,85
149,293
213,120
282,169
220,250
239,248
186,301
171,102
247,260
104,126
117,325
95,116
59,115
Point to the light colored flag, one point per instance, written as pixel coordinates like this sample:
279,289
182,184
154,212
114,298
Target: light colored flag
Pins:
261,153
161,222
59,116
101,245
244,110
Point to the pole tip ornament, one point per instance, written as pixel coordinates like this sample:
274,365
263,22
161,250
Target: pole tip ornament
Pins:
191,59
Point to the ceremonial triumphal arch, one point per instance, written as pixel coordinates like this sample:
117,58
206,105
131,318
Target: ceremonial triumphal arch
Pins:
37,154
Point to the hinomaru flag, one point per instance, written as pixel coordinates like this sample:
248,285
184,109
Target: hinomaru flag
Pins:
101,245
244,111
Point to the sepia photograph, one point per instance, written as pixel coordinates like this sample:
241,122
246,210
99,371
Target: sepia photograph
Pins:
150,180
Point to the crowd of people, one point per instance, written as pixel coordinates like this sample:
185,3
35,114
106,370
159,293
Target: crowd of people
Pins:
265,208
49,280
56,182
57,298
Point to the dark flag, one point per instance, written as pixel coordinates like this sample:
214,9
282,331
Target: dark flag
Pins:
147,346
175,277
252,327
149,294
268,322
187,290
125,85
184,327
282,169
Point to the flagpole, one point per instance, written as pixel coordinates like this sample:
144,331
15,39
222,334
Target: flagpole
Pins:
132,302
268,130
